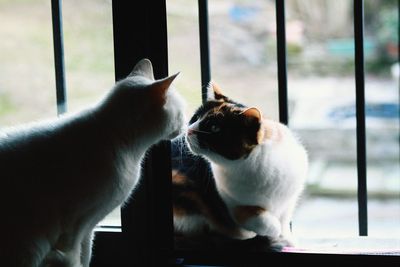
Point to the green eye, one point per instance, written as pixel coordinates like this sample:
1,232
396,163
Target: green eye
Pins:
215,128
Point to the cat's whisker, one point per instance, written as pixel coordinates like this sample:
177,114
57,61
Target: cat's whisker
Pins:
199,131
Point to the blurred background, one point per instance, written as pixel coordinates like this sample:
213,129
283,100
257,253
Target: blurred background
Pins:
321,86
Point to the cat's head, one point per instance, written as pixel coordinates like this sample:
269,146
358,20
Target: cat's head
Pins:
222,129
155,105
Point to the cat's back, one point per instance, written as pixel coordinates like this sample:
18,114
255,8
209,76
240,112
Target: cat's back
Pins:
51,158
274,170
22,144
40,140
280,150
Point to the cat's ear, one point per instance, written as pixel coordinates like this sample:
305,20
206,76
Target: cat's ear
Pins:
253,113
214,92
160,87
143,68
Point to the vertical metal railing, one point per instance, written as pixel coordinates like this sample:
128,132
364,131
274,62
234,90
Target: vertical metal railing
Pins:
204,48
58,43
360,117
283,88
281,61
125,62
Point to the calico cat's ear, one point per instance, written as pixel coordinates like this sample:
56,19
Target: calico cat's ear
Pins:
214,92
143,68
252,113
160,88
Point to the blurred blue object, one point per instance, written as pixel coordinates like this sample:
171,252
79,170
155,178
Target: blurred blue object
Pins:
242,13
380,110
345,47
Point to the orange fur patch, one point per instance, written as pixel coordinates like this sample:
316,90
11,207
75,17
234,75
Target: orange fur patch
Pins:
216,88
178,178
178,212
243,213
252,112
217,109
198,200
271,130
205,210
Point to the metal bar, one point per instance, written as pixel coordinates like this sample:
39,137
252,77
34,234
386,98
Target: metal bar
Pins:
360,116
281,54
147,222
58,43
204,48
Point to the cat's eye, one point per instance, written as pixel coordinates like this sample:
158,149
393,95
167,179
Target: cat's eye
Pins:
215,128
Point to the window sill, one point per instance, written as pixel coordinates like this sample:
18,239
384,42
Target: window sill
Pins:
350,245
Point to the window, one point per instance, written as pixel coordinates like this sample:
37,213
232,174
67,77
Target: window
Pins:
321,90
28,52
26,62
314,59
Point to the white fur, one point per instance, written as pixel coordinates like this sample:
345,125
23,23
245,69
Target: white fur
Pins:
196,224
191,224
60,178
271,177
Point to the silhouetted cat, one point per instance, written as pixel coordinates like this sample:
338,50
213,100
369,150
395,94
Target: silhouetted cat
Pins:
60,178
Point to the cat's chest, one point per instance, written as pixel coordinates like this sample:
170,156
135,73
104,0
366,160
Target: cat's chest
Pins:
249,183
245,180
128,172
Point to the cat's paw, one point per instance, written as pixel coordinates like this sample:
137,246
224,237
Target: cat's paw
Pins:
55,258
288,240
282,242
265,225
243,234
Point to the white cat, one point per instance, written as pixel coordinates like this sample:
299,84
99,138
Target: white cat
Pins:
258,165
60,178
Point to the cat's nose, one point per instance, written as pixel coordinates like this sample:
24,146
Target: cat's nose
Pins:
190,131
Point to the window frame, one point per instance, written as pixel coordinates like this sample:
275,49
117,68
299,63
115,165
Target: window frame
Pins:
146,234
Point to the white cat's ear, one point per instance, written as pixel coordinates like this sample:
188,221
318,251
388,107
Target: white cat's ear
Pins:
253,112
160,87
143,68
214,92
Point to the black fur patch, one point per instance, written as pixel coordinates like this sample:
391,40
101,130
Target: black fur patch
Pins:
199,182
225,130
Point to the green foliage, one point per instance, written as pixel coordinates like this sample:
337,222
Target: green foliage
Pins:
388,24
6,105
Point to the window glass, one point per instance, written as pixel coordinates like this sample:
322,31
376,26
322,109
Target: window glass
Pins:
321,84
27,83
184,50
89,54
243,52
27,68
89,59
321,81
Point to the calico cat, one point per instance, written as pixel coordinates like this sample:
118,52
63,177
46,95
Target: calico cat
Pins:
236,173
60,178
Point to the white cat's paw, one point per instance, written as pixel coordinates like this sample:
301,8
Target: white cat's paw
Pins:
288,240
54,258
243,234
282,242
266,225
